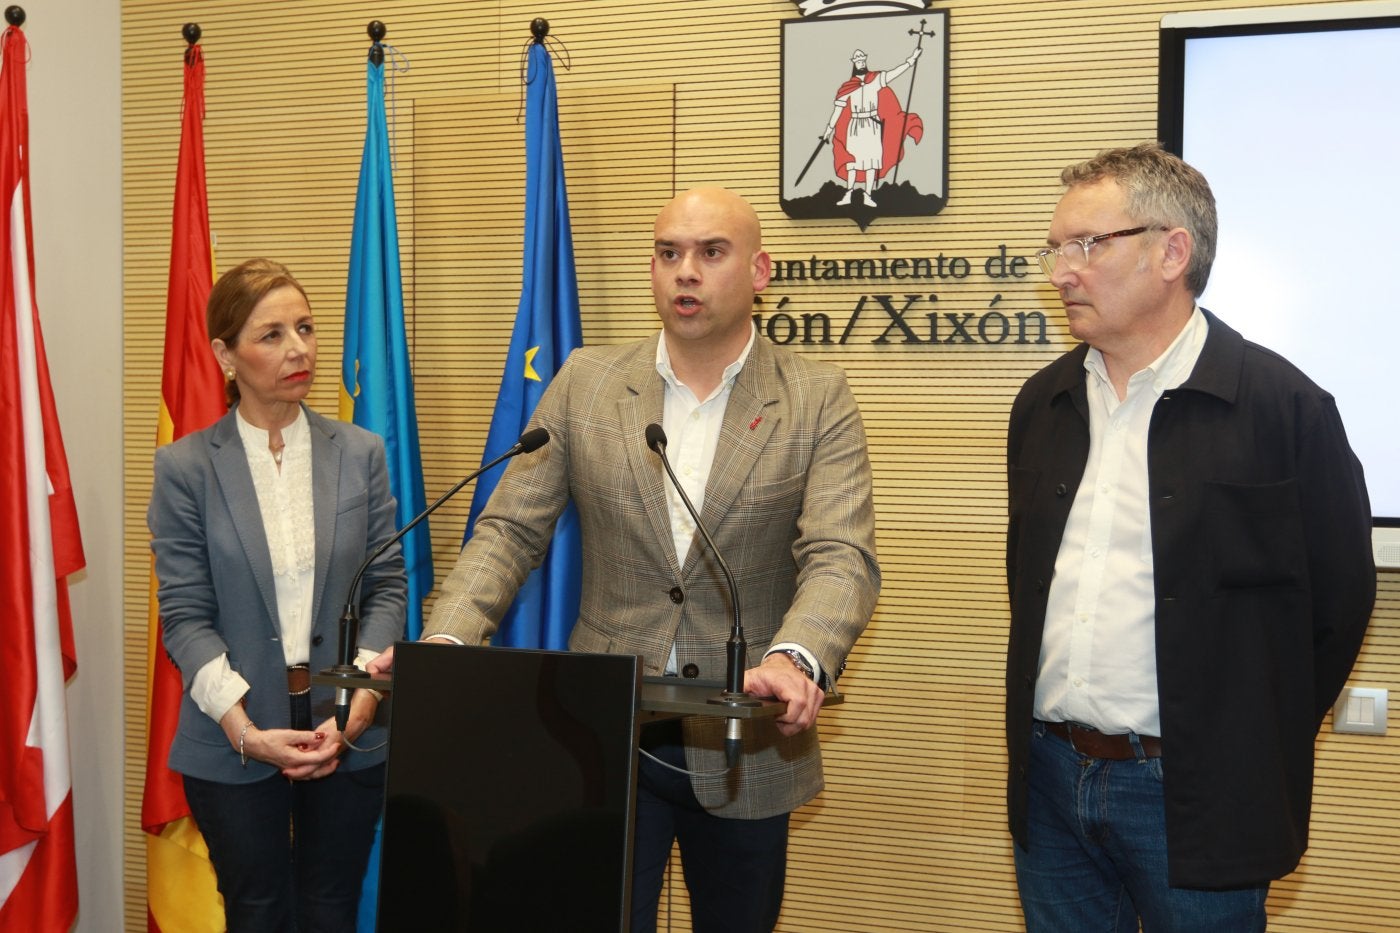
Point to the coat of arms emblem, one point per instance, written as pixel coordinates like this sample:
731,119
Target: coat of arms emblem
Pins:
864,110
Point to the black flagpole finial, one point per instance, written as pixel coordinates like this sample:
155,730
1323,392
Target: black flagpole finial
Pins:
539,28
14,15
191,32
376,32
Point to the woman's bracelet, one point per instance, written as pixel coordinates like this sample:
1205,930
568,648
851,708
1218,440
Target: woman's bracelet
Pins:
242,755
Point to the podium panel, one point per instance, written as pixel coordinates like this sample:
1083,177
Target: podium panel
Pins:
509,795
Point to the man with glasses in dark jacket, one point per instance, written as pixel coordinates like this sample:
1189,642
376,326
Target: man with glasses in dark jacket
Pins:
1190,574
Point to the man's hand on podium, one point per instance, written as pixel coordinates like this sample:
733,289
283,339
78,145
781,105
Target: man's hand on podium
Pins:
779,677
384,663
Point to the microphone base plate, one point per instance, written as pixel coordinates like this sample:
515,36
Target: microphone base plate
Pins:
345,672
735,699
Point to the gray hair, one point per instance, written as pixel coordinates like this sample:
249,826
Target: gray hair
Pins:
1162,190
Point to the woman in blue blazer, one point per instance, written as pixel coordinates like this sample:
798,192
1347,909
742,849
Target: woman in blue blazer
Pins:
258,525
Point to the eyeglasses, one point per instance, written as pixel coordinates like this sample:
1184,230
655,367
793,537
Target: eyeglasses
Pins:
1076,252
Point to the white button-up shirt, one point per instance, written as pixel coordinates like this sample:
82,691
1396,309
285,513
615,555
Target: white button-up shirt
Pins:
1098,657
692,429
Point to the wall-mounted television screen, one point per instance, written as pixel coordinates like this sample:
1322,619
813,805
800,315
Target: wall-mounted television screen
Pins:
1293,115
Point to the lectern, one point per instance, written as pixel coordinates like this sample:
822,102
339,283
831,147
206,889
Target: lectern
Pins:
511,786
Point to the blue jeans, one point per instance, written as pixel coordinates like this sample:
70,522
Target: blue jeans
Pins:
1097,857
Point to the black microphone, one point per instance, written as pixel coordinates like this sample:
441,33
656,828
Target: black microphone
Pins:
735,649
531,440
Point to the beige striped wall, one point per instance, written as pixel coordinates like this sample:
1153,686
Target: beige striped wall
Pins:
661,96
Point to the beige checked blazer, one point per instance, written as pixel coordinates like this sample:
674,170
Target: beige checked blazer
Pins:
788,504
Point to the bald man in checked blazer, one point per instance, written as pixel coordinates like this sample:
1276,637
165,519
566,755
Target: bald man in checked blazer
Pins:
772,450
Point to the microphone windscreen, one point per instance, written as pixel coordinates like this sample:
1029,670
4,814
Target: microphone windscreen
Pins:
655,436
533,439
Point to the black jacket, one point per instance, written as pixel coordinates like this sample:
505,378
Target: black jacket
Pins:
1261,541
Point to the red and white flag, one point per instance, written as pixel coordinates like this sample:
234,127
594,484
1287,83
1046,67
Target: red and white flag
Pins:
39,548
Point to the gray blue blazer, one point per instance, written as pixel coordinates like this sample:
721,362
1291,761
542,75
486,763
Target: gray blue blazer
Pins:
216,587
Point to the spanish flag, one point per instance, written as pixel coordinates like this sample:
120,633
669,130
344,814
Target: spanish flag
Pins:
181,892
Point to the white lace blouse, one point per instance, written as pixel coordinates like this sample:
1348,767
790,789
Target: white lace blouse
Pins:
288,516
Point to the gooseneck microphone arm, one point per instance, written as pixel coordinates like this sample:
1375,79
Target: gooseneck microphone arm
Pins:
736,649
348,647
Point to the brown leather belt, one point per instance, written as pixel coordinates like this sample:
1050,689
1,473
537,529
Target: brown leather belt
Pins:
1096,744
299,679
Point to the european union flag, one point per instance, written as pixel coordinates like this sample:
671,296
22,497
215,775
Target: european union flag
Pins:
546,330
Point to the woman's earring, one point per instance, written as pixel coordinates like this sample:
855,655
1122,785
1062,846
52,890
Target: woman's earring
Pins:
229,374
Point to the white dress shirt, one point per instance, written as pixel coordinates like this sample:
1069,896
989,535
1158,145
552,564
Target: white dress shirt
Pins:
1098,657
692,429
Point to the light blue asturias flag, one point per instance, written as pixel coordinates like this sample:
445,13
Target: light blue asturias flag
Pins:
376,381
546,330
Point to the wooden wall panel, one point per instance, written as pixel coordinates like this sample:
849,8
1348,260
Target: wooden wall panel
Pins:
661,95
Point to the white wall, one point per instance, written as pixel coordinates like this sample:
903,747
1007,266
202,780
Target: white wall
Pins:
75,174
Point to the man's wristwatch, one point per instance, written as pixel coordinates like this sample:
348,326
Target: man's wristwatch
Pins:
799,660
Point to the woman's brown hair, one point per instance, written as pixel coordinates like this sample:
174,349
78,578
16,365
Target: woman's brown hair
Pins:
233,298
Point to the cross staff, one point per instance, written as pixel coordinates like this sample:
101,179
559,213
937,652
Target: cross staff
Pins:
909,104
